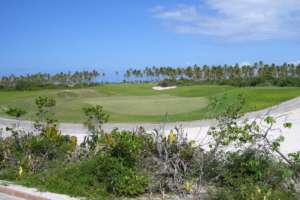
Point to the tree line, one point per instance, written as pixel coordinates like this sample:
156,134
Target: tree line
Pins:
46,80
245,75
237,75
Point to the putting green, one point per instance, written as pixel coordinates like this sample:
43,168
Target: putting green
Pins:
150,105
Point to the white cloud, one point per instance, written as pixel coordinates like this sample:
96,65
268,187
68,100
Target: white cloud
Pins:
182,13
245,63
235,19
297,62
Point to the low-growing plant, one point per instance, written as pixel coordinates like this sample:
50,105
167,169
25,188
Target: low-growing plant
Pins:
76,179
170,162
126,145
119,178
15,112
251,165
95,118
44,115
245,190
31,153
26,152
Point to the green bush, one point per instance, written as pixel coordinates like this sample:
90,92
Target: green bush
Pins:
253,191
253,174
118,164
95,178
76,179
15,112
28,153
119,178
125,145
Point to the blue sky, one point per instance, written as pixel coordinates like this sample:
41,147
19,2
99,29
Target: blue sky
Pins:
68,35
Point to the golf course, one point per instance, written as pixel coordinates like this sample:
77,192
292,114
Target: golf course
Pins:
140,103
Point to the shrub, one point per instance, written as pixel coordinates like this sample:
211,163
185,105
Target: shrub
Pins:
252,174
125,145
95,118
15,112
76,179
119,178
253,191
32,153
168,83
256,165
118,163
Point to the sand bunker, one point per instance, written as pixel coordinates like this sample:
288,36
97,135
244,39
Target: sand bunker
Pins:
163,88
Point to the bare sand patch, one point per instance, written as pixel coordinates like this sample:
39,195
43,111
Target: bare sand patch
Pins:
163,88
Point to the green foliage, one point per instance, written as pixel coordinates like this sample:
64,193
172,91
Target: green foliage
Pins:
168,83
28,153
251,174
170,162
119,160
256,166
95,118
287,125
125,145
48,81
270,120
295,160
114,169
43,102
252,191
251,171
16,112
44,114
117,163
75,179
119,178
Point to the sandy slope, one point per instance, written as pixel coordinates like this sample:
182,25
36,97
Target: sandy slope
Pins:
288,111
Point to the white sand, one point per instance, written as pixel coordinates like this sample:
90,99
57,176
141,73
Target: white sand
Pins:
163,88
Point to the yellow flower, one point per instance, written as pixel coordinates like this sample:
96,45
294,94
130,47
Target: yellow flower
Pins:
187,186
73,142
20,171
171,137
258,190
110,140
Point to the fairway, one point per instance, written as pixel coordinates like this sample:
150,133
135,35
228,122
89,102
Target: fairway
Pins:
152,105
140,103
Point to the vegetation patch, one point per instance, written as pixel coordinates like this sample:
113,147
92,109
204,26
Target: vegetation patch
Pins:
66,94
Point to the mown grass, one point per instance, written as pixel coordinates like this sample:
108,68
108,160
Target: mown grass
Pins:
138,102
